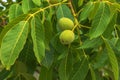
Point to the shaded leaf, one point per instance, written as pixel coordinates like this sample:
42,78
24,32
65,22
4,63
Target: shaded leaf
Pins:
62,71
27,76
49,57
1,29
92,73
91,43
20,67
82,71
112,59
4,73
118,45
101,59
49,33
45,74
60,48
65,67
27,56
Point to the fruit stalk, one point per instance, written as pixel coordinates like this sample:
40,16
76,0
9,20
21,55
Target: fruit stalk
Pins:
75,18
71,7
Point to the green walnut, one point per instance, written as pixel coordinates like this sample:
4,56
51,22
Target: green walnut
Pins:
66,37
54,1
65,24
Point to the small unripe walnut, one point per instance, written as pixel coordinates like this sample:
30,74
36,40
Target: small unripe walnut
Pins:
67,37
65,24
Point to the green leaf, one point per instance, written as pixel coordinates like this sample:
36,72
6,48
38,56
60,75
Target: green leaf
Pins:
1,8
4,73
82,71
20,67
117,5
91,43
12,43
27,5
80,2
37,2
86,10
62,55
27,56
28,76
14,11
108,32
48,30
11,25
1,29
65,67
118,45
113,1
49,58
92,73
94,11
60,48
62,71
45,74
112,59
37,33
100,21
101,59
64,11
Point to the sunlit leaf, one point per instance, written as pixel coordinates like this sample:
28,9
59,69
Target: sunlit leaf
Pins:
100,21
64,11
80,2
37,2
110,28
12,43
27,5
94,11
86,10
14,11
37,33
11,25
